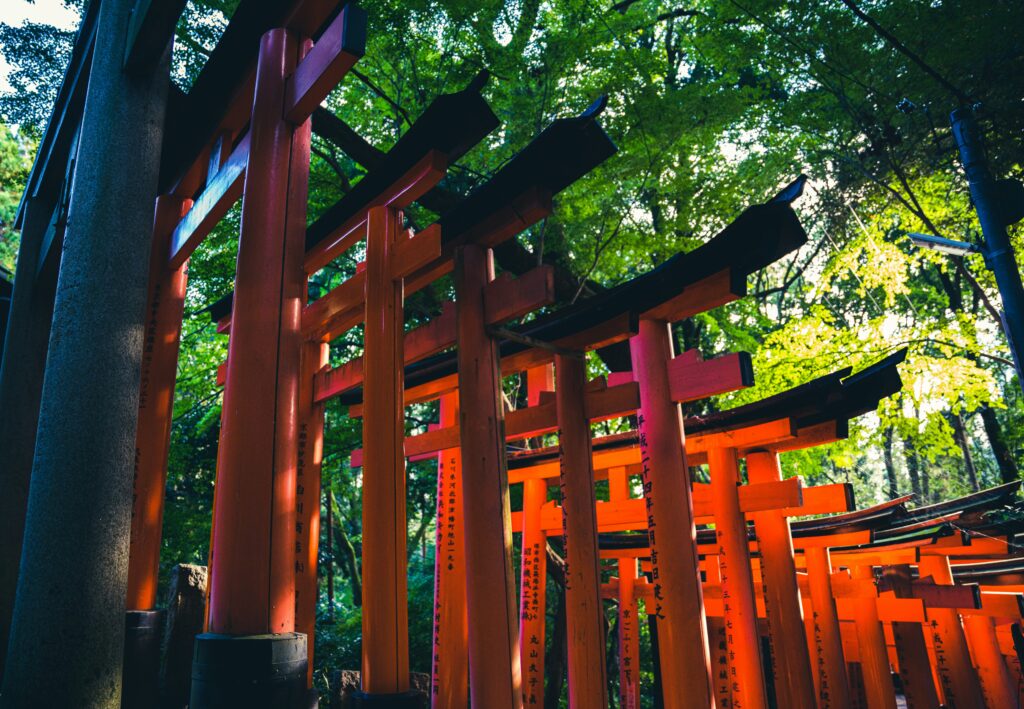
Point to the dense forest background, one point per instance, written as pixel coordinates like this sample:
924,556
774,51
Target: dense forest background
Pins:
714,104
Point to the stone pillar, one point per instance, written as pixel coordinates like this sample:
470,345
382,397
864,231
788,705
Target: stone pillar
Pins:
69,610
21,384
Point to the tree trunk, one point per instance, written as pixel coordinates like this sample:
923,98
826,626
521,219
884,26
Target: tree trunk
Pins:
890,466
913,471
1008,471
330,554
960,434
348,558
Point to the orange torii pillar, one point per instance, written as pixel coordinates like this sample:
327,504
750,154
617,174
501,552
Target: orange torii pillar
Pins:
164,309
959,682
746,676
588,686
716,639
494,664
629,628
996,683
874,657
385,602
911,650
678,596
791,662
315,356
533,568
450,663
252,645
824,632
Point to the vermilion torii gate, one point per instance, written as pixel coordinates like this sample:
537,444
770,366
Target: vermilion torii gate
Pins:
874,590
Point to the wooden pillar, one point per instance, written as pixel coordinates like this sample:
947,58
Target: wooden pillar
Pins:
874,657
960,685
533,567
915,668
494,664
450,665
746,677
252,580
996,683
533,585
678,596
588,686
629,628
832,686
385,606
791,662
164,309
315,355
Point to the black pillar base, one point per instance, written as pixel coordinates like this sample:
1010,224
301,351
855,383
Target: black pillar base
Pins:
253,671
402,700
141,671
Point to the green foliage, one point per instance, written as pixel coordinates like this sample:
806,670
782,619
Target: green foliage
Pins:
14,169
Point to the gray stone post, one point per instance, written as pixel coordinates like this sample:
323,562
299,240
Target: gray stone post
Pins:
67,632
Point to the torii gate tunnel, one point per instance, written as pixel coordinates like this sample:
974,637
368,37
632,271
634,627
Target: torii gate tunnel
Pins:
755,589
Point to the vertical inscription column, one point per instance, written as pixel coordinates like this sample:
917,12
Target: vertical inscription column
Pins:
832,685
450,664
533,569
252,582
960,683
629,630
385,604
164,309
678,596
494,665
746,678
588,686
794,684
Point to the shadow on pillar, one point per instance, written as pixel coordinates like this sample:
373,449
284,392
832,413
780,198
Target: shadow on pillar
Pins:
141,671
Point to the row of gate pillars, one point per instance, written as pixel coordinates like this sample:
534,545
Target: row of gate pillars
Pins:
488,644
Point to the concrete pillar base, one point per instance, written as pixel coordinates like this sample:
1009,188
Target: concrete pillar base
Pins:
141,673
254,671
402,700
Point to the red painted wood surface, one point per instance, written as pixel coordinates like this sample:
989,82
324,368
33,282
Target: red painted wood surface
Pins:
321,70
746,678
588,685
450,662
494,664
533,567
533,587
309,459
958,680
791,663
385,604
629,621
997,685
874,659
252,581
830,680
679,603
164,308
